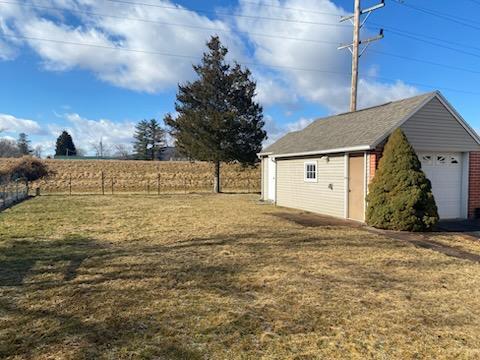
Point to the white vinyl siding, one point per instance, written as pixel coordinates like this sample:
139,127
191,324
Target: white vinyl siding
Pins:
325,196
434,128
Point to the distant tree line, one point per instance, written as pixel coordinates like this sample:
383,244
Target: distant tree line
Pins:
17,148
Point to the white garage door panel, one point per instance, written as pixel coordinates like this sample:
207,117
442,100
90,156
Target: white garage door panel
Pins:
444,170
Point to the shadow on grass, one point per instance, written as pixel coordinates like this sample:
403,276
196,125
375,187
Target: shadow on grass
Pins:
32,325
144,300
19,257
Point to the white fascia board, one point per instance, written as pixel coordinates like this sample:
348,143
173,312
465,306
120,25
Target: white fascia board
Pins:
328,151
261,154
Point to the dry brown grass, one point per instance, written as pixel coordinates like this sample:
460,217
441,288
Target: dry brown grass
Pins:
142,176
220,277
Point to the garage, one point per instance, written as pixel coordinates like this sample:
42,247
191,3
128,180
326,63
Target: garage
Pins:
444,170
314,168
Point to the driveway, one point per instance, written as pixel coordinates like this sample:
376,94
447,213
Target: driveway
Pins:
470,226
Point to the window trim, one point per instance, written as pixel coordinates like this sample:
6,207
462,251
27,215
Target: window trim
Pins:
305,164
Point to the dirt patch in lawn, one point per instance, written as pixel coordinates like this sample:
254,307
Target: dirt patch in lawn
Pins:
315,220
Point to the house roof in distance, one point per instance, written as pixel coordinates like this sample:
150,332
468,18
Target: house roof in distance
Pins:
359,130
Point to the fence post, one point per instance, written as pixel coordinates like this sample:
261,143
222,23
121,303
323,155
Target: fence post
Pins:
112,184
70,184
158,184
185,183
148,186
103,183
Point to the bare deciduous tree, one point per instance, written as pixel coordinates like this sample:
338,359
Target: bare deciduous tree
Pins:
9,148
122,151
38,151
101,149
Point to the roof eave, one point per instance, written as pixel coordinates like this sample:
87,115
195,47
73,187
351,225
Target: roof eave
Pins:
324,152
265,153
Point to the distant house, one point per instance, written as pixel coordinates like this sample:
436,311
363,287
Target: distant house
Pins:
171,153
326,167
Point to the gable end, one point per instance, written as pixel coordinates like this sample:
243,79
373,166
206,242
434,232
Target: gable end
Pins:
435,127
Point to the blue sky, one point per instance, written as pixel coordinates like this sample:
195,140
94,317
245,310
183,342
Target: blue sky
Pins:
98,92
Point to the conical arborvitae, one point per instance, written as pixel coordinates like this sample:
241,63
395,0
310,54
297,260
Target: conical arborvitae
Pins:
400,195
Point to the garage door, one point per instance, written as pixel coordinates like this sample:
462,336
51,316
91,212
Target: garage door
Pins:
445,173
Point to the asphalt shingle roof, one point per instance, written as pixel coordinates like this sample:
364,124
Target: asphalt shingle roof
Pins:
359,128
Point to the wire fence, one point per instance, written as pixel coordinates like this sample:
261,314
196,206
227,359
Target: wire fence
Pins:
11,193
105,184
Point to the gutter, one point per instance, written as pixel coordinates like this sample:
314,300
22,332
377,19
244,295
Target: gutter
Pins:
320,152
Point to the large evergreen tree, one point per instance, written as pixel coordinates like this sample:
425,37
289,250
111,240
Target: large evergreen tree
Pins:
23,144
149,139
400,195
140,143
218,119
65,145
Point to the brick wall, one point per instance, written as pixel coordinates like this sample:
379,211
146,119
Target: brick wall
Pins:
474,183
375,156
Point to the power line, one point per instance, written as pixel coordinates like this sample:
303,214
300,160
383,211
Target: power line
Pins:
231,31
425,61
399,32
107,47
89,13
227,14
440,15
116,48
311,11
402,31
433,43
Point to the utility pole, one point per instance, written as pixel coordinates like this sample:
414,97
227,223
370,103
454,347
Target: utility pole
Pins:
354,47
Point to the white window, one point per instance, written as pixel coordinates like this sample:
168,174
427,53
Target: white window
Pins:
453,159
441,159
310,174
426,159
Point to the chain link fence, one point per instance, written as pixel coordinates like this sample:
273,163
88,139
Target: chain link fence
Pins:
12,192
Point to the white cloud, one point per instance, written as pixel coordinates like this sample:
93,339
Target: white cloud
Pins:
373,93
136,70
330,86
85,131
10,123
275,131
287,81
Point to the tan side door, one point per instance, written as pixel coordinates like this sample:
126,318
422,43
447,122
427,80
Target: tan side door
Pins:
356,190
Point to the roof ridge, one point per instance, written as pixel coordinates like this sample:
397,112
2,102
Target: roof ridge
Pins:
330,117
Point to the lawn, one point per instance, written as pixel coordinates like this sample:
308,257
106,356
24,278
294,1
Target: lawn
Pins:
222,277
